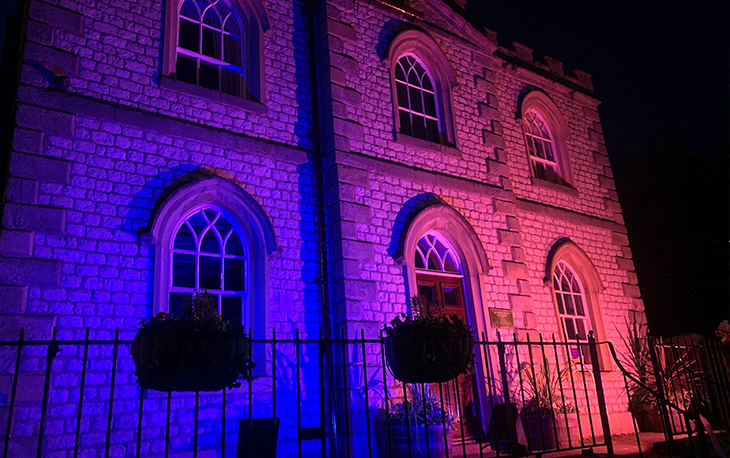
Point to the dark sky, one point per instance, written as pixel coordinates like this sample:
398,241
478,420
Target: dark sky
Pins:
662,73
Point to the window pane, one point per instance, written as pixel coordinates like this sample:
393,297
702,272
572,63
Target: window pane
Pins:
449,265
427,291
399,74
232,25
232,309
418,261
433,262
427,83
197,222
183,270
419,129
432,131
429,104
405,123
234,275
184,239
569,328
211,43
189,10
581,329
210,272
402,95
579,306
413,79
450,296
548,147
186,70
210,243
559,298
188,35
176,301
231,82
569,309
234,246
209,76
211,18
416,104
232,50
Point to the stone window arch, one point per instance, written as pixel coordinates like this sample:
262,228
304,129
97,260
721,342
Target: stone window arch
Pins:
422,79
576,288
546,134
211,234
216,44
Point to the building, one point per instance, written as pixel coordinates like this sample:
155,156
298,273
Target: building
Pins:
314,165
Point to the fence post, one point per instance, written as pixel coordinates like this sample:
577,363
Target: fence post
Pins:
599,392
505,391
666,425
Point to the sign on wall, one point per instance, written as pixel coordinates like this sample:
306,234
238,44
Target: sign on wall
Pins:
501,318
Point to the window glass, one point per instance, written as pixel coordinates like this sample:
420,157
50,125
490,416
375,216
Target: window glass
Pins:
541,148
570,299
211,51
199,262
436,254
417,103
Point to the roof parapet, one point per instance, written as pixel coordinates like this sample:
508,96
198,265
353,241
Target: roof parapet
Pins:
522,51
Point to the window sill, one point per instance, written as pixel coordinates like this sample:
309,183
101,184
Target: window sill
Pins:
565,189
407,140
216,96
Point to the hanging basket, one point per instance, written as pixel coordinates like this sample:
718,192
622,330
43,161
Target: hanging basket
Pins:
190,357
415,357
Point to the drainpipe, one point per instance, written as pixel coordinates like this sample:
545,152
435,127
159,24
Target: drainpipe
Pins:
328,412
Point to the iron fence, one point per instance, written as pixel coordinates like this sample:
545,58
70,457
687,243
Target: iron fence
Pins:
79,398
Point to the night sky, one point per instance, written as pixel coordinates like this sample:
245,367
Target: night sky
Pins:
661,70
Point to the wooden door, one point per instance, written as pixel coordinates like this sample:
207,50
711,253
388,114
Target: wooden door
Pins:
448,290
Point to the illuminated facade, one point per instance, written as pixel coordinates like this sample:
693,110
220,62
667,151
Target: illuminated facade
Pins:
185,154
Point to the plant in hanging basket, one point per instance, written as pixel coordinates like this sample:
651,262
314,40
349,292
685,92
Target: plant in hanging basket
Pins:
196,352
428,347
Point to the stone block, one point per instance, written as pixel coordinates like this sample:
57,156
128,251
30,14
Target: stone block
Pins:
345,95
14,299
632,278
509,238
47,220
601,148
352,175
601,160
349,129
58,17
354,249
50,57
40,168
33,272
524,287
28,141
612,206
624,264
518,254
482,60
607,171
626,252
619,239
591,114
39,33
343,230
344,63
350,211
37,327
530,322
483,85
487,112
520,302
492,100
497,168
356,289
22,191
606,183
496,127
16,244
51,121
618,218
584,79
493,139
343,31
596,136
513,224
346,268
554,65
500,154
514,270
522,51
504,207
631,290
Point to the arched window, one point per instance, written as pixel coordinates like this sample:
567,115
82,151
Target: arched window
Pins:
208,253
211,234
422,81
210,47
216,44
435,254
545,138
571,301
416,100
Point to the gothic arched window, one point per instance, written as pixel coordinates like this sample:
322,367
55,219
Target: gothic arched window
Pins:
572,309
417,104
209,253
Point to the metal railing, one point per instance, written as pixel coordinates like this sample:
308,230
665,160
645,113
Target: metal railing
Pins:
78,397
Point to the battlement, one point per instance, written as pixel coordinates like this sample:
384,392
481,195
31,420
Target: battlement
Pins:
520,54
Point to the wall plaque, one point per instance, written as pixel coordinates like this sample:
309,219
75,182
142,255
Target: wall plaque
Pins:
501,318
